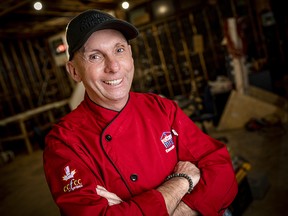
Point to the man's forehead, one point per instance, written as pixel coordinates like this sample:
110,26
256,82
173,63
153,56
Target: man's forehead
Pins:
105,36
92,45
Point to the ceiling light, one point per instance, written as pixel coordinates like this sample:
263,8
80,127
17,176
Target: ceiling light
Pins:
37,5
125,5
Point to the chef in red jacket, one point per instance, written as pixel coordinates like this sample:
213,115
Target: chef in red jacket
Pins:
126,153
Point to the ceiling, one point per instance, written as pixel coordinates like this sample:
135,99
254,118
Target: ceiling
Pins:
18,18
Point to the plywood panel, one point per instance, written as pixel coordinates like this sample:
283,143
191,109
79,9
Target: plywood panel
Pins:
241,108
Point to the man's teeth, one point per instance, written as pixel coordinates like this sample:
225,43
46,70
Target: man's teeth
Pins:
113,82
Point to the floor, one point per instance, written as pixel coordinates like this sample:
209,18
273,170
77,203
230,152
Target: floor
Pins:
23,190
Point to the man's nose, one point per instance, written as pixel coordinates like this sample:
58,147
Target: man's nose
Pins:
111,64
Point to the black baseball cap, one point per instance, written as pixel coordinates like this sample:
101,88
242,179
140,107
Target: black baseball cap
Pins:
80,28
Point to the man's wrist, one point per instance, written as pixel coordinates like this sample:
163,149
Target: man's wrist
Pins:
184,176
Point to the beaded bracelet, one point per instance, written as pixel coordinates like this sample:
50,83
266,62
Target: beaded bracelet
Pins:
182,175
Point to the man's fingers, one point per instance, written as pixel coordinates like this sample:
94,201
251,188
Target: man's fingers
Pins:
101,188
113,202
105,193
111,197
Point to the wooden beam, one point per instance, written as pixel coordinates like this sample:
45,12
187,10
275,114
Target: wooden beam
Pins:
27,114
12,6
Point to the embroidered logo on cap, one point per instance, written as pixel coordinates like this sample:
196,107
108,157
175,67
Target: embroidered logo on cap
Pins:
167,141
73,183
93,20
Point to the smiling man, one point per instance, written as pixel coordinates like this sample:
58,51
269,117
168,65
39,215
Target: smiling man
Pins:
105,67
126,153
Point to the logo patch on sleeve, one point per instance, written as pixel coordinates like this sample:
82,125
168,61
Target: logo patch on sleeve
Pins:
167,141
72,183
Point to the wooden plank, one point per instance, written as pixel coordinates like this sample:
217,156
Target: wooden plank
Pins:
11,76
5,83
2,79
26,137
27,114
163,61
267,96
13,5
240,108
210,41
150,59
22,82
194,89
12,138
63,81
26,73
198,44
174,57
20,118
38,78
54,74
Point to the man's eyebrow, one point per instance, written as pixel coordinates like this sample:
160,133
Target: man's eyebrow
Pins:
119,43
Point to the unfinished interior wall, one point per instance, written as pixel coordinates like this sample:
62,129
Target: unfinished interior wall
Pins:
29,77
29,81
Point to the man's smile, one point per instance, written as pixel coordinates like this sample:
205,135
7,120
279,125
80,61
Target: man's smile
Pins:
113,82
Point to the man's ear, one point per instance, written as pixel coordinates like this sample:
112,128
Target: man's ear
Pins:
72,71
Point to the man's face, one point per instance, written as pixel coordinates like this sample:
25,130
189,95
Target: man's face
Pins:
105,66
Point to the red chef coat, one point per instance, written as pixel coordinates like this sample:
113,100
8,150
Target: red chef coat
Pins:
130,153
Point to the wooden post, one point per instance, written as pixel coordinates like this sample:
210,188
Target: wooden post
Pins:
174,57
26,136
22,85
37,73
27,81
149,54
194,89
210,41
12,81
163,61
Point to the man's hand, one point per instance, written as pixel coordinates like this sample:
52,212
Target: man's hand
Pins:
190,169
183,209
112,198
174,189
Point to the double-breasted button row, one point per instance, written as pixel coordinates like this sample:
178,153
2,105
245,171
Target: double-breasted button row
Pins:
133,177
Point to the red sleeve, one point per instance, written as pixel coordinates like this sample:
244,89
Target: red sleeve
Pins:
217,187
77,194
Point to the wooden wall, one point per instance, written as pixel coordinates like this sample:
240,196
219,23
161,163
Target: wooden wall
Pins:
29,77
178,54
30,82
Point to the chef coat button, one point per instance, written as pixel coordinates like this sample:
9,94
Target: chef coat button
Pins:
134,177
108,137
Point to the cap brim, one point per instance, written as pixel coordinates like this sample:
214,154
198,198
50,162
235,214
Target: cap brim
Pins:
128,30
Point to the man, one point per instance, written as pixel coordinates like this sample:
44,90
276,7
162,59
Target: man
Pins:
127,153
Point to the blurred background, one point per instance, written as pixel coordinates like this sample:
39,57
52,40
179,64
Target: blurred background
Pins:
223,61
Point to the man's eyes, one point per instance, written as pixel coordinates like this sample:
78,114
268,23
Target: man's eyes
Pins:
98,56
119,50
94,57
